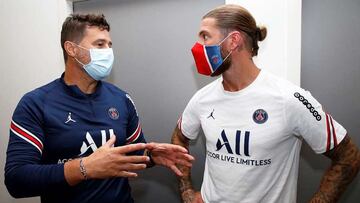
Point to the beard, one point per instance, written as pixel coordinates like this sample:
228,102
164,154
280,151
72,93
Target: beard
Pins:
225,64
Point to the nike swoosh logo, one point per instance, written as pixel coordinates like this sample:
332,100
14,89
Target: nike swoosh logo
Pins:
86,149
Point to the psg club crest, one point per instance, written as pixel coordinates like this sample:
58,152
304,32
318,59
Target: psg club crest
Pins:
215,59
113,113
260,116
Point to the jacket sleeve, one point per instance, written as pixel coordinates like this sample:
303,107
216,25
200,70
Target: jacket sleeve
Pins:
134,133
25,176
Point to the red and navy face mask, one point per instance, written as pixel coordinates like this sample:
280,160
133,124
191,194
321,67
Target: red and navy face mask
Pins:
208,57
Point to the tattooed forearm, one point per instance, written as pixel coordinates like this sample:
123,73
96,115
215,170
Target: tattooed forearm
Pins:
320,197
185,182
186,190
344,168
188,196
185,185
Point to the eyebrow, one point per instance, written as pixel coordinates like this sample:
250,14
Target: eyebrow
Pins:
102,40
203,32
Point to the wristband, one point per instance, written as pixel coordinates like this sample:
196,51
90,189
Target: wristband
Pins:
151,162
82,169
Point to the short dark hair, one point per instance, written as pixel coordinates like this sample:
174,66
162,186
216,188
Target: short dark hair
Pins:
74,26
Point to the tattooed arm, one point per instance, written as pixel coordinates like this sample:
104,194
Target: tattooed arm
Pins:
188,195
344,166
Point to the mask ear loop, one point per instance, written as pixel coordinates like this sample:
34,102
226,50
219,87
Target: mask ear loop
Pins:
79,46
227,37
82,48
79,62
223,41
228,55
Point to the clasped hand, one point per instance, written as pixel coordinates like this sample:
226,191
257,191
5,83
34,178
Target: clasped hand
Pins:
109,161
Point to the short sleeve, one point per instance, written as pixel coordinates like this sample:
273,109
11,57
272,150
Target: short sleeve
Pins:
307,118
189,122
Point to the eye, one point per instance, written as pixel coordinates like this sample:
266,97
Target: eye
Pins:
205,37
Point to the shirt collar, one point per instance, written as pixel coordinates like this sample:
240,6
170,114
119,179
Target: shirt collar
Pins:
75,91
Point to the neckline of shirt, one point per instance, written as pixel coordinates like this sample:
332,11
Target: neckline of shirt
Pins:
243,91
76,92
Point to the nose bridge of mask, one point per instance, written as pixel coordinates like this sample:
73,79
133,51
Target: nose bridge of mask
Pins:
94,49
98,52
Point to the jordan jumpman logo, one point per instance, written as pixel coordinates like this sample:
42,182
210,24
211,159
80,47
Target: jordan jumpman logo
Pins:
70,119
212,115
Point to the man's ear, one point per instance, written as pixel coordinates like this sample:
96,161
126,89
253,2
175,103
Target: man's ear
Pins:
237,41
70,48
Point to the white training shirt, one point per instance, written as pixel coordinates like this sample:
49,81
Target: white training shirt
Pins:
254,136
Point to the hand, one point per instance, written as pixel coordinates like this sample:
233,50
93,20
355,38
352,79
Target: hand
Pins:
109,161
191,196
169,155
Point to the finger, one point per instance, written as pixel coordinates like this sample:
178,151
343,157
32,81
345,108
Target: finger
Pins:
187,157
134,159
130,148
132,167
166,147
176,170
177,148
184,163
151,146
180,156
127,174
111,141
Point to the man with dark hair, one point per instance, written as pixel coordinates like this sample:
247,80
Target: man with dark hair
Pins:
74,27
255,122
78,139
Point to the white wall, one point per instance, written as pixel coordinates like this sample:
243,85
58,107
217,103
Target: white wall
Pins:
30,56
280,51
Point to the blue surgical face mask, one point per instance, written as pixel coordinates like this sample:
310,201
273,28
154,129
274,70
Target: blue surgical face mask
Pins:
101,63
